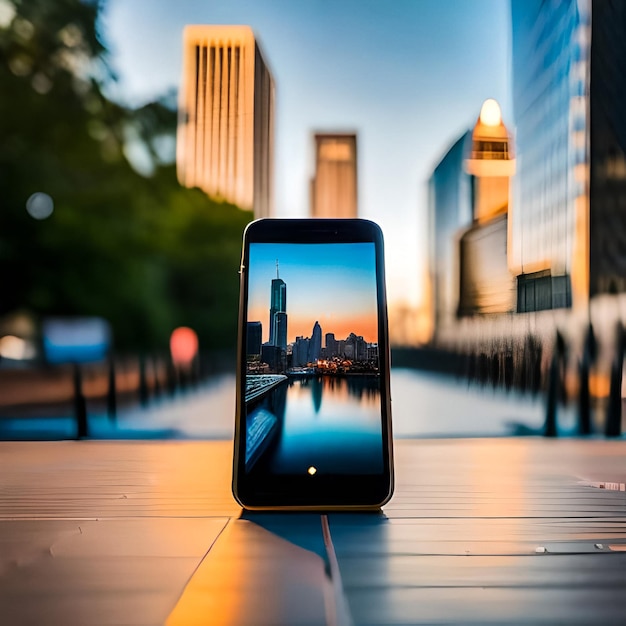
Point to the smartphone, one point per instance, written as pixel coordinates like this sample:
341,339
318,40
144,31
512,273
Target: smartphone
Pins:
313,411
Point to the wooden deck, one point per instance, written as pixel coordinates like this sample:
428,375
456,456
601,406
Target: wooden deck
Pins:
516,531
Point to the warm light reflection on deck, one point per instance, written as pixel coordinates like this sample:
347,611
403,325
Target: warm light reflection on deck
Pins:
276,577
500,471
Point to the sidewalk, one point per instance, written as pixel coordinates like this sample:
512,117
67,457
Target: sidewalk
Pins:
479,531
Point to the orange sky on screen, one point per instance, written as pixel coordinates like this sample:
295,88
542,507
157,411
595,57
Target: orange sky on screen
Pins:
364,325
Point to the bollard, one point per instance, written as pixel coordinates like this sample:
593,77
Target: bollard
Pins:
549,429
194,371
613,425
584,397
172,378
80,406
535,353
156,383
143,384
554,386
112,392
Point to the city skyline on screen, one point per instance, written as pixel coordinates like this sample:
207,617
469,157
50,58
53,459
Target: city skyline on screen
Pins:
332,284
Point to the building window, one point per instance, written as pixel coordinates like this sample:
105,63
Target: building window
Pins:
540,291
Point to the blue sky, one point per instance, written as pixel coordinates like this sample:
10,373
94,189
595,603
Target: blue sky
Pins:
409,76
334,284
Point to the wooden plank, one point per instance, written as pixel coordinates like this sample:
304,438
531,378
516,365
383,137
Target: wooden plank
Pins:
116,530
108,572
97,479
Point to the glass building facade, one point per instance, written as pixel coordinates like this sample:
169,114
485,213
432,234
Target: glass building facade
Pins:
469,200
607,157
278,306
568,216
450,212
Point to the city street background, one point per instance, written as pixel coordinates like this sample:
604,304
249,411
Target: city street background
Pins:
423,405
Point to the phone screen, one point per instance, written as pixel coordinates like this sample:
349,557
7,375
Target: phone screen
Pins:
313,409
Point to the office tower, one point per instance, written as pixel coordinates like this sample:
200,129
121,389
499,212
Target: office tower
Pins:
300,351
568,223
278,304
334,186
450,207
331,345
225,142
468,207
254,338
315,346
355,347
280,330
274,357
491,162
485,282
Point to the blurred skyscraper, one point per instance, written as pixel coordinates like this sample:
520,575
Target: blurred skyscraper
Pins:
486,284
568,222
334,186
225,142
450,211
468,207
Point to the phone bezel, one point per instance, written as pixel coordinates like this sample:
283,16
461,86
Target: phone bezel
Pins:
329,491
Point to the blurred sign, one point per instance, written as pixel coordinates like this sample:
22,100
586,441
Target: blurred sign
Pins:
75,339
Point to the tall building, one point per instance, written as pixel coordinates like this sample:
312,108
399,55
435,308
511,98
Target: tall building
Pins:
280,330
356,347
485,282
225,142
254,338
331,345
568,223
468,207
315,346
334,186
300,352
278,305
450,212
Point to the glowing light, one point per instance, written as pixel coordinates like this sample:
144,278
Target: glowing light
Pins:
183,345
490,114
12,347
40,206
312,470
7,13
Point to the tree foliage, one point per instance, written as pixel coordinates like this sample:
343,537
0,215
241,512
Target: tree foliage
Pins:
139,250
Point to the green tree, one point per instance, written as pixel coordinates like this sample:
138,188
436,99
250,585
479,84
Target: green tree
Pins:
138,250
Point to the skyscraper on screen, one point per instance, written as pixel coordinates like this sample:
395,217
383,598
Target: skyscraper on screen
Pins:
225,139
315,346
278,312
